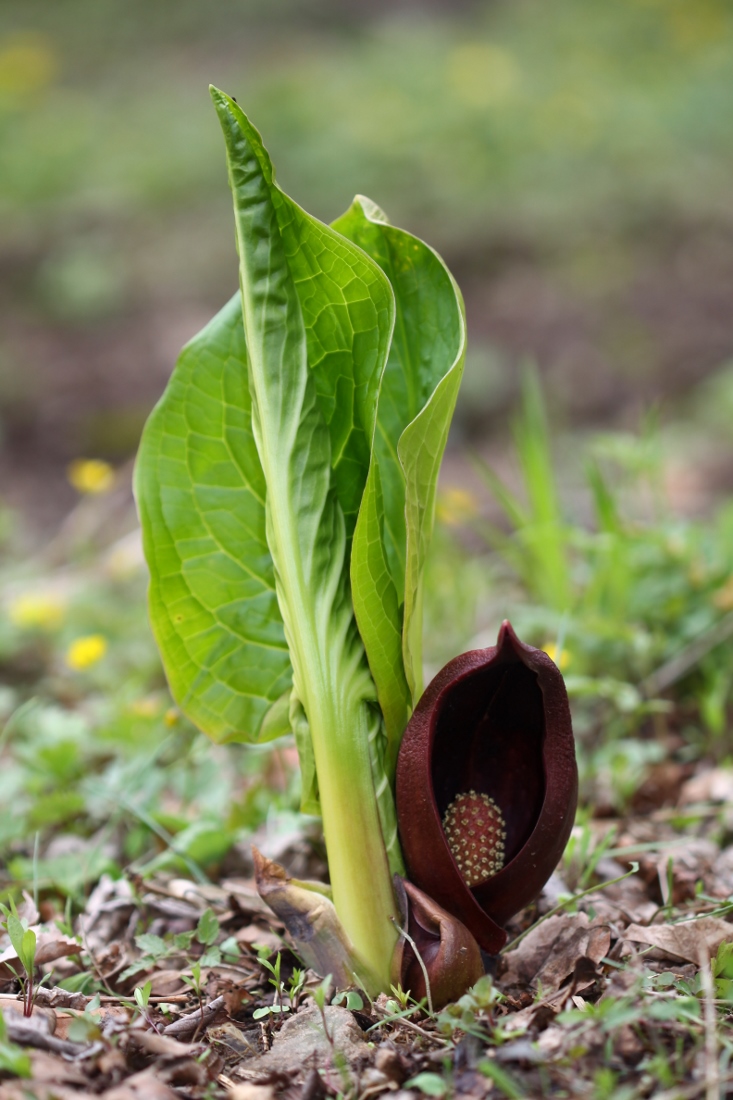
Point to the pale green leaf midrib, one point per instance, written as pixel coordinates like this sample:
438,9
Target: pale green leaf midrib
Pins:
313,680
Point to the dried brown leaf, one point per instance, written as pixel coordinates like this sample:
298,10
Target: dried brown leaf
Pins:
714,785
43,1090
141,1086
55,1069
550,952
109,910
55,997
263,937
43,1019
301,1041
185,1027
166,983
106,1013
243,1043
252,1092
722,881
154,1043
683,941
244,892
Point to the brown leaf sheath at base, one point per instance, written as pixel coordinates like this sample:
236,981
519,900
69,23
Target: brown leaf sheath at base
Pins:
311,923
448,950
490,739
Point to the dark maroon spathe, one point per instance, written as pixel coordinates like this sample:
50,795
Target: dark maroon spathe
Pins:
496,721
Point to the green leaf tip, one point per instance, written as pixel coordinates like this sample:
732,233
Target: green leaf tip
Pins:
417,396
239,133
372,211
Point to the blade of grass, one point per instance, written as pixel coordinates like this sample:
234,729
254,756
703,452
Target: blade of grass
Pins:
564,904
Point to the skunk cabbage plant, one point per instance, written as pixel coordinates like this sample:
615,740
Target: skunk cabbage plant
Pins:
286,485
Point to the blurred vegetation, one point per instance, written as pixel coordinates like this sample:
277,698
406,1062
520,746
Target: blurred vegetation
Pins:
542,122
633,602
579,149
101,769
562,157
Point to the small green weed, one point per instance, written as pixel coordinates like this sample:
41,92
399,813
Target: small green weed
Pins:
97,759
23,940
472,1014
156,949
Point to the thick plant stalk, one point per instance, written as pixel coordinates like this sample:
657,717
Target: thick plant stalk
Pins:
357,858
308,539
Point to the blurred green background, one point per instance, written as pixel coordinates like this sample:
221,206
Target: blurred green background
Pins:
572,162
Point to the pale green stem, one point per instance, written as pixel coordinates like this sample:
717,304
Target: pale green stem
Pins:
357,860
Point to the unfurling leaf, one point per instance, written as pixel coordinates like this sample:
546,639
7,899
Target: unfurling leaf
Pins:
310,921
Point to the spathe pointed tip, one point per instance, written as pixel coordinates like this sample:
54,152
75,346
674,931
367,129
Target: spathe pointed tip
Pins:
507,638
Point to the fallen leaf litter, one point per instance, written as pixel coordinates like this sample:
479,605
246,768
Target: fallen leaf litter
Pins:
609,984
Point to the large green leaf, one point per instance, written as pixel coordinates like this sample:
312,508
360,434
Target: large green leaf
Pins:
201,495
416,404
317,318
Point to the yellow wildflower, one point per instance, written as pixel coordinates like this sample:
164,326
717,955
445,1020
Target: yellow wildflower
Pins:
37,609
723,598
86,651
551,650
456,506
27,64
90,475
